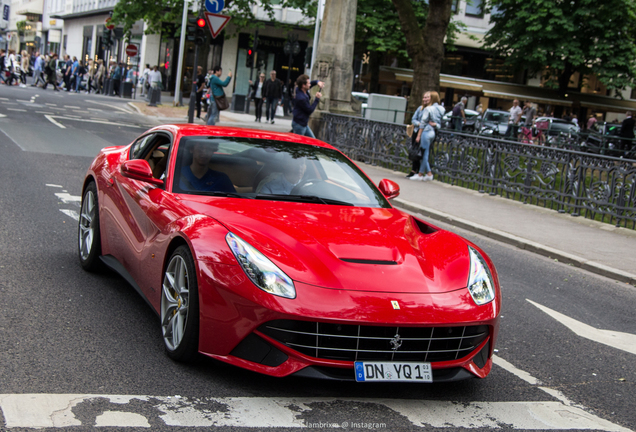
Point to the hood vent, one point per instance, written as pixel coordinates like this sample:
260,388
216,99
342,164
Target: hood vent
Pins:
368,261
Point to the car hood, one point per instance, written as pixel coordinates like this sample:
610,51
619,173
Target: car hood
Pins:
342,247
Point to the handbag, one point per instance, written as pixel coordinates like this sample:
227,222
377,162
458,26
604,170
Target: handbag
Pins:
415,153
409,130
221,102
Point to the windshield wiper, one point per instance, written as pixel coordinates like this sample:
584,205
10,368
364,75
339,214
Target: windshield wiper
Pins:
303,198
219,193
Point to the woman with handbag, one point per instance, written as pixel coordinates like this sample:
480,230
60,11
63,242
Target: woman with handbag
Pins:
415,152
257,95
217,92
431,120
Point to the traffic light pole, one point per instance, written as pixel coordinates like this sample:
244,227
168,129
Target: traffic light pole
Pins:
184,23
193,93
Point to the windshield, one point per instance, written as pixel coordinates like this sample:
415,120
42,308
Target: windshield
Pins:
497,117
271,170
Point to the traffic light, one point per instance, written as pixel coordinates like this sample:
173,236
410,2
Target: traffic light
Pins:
199,34
107,37
249,61
191,29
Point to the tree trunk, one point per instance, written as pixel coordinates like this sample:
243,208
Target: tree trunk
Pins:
424,45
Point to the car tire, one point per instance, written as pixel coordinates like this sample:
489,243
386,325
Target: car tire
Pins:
180,306
89,235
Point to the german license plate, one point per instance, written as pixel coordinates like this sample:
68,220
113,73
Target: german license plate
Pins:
393,371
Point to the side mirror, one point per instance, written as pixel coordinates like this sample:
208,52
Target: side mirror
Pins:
389,188
138,169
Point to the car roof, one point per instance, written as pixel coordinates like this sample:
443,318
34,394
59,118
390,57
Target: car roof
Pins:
199,130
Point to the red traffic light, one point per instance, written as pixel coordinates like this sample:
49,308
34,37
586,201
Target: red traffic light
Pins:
249,52
201,22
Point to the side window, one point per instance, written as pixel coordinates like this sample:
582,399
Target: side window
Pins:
138,148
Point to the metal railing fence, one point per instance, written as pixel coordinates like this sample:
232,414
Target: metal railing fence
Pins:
593,186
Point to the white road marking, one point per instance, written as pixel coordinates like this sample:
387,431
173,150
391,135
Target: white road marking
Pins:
71,213
16,109
67,198
53,185
56,410
50,118
513,370
51,104
111,106
44,112
619,340
2,115
94,109
71,107
4,99
106,122
24,101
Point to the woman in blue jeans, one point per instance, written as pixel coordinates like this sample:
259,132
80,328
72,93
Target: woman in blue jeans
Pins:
216,89
431,120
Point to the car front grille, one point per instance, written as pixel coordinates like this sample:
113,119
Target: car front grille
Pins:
376,343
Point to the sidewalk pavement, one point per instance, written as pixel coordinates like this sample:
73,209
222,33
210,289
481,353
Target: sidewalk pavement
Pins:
597,247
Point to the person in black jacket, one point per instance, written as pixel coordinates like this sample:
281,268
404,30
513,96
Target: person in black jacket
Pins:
627,131
258,95
273,89
302,107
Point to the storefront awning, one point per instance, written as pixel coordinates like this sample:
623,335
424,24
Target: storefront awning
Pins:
527,96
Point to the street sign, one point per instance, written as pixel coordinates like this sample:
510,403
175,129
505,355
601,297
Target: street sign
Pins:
108,24
131,50
214,6
216,22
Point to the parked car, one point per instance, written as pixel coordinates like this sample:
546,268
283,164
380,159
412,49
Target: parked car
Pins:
558,132
469,125
276,253
605,139
492,122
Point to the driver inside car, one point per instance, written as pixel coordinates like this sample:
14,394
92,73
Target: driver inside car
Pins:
282,183
199,177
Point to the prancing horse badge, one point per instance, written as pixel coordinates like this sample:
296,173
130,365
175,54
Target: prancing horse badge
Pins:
395,304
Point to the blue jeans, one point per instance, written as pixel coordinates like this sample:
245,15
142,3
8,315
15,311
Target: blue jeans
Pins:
302,130
213,112
270,111
427,137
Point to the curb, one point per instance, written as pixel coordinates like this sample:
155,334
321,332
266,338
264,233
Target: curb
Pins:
519,242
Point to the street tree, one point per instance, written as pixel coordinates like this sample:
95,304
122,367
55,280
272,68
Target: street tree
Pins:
558,38
424,43
157,13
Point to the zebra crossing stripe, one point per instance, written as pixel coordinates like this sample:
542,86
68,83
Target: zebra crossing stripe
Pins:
58,411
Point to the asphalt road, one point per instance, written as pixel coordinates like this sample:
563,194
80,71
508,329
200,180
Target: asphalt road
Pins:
81,350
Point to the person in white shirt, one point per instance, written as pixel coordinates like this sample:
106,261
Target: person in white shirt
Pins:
144,80
154,77
513,123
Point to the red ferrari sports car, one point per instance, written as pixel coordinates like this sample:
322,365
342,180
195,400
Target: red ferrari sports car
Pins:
276,253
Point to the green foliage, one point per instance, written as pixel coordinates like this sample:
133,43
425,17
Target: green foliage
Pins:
561,37
158,13
378,28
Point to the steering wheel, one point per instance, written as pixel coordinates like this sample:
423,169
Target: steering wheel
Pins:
300,185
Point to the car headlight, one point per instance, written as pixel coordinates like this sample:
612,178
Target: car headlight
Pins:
264,273
480,282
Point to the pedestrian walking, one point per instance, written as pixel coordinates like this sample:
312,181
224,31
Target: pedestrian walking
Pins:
431,120
458,114
38,69
302,106
200,87
3,54
513,122
79,76
100,71
216,90
273,90
25,65
415,153
117,77
591,122
257,96
51,73
145,85
9,67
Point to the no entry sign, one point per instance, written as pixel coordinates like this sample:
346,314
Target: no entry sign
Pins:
131,50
